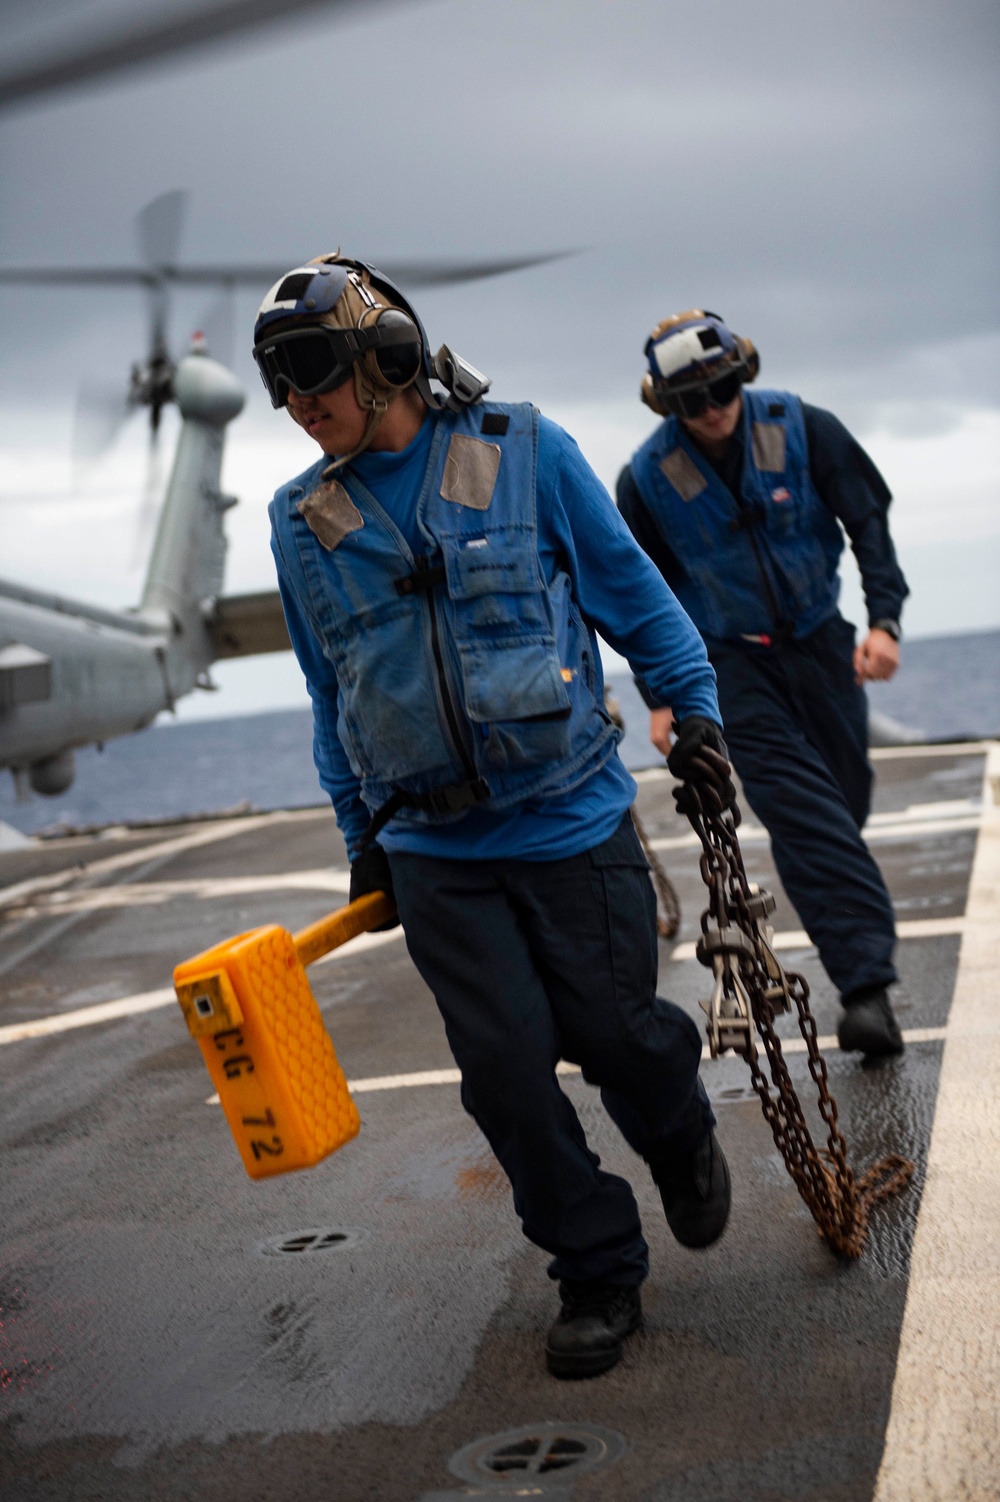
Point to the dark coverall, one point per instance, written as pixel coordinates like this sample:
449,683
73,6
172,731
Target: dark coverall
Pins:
796,722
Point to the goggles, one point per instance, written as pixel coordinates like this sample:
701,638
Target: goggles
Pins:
317,359
694,401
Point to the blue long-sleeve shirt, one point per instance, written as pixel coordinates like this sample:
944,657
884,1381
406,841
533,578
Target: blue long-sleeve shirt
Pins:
618,591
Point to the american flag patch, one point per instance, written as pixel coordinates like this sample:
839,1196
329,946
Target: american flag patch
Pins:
781,494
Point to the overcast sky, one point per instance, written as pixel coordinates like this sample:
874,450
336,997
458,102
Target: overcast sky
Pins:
824,175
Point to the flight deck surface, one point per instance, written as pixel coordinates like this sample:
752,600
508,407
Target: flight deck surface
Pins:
172,1330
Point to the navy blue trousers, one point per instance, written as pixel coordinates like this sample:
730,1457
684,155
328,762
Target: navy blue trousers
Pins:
796,725
533,961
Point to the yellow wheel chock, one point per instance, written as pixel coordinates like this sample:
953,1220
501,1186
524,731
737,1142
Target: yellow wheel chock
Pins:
250,1007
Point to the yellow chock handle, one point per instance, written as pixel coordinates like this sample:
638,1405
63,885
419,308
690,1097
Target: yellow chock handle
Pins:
328,933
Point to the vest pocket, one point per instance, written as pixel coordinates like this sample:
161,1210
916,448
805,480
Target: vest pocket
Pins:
387,698
782,509
495,562
515,696
512,686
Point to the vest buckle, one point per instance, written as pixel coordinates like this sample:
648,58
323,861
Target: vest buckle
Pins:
424,577
456,797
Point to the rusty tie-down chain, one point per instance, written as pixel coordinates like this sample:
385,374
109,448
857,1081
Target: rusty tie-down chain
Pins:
751,988
668,915
668,907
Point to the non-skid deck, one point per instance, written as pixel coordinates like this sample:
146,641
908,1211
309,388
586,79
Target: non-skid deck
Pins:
157,1342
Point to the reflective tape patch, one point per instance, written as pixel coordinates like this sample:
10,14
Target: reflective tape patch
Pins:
683,474
769,446
470,472
330,514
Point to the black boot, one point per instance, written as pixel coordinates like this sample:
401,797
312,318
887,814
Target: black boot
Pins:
594,1320
696,1192
868,1025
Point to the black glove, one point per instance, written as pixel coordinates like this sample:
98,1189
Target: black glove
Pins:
700,760
371,873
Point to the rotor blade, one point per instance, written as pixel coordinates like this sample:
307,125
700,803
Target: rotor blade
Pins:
415,273
218,326
96,276
101,411
158,228
144,42
445,273
437,272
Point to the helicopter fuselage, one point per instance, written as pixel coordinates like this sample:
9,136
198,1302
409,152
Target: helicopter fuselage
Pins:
103,679
73,674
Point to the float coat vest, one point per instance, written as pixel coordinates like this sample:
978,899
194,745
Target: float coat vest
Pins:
761,564
463,675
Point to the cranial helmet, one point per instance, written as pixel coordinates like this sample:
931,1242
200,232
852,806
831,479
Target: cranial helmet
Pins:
691,352
335,318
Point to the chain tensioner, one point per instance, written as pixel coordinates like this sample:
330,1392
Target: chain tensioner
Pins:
751,989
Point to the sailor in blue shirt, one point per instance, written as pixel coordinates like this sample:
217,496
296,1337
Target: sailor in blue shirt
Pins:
739,497
444,566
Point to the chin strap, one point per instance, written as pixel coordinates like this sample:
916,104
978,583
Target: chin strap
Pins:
378,410
464,385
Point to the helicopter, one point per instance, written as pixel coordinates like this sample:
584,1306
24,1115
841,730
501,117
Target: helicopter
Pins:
74,674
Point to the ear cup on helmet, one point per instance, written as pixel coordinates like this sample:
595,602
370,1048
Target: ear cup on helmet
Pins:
393,366
399,363
648,393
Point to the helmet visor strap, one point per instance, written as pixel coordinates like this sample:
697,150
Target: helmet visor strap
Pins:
306,360
317,359
694,402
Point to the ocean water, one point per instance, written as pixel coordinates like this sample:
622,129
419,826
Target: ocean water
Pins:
948,688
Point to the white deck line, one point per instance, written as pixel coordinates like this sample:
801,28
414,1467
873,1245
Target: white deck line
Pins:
881,827
933,748
453,1077
206,835
30,900
943,1437
199,889
797,938
104,1011
148,1001
875,753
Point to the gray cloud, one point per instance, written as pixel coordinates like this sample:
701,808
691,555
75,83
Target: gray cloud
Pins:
829,170
823,175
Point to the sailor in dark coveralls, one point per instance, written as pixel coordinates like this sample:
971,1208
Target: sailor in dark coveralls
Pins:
739,498
443,567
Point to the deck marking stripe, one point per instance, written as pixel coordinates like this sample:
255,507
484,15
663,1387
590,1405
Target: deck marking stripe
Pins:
797,938
875,753
121,862
105,1011
942,1441
899,827
151,893
148,1001
931,748
452,1077
961,814
206,834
